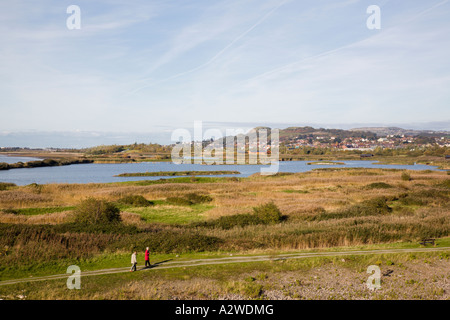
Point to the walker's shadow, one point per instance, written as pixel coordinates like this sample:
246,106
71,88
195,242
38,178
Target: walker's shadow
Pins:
156,264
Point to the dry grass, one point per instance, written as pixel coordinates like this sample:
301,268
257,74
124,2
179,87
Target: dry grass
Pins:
300,197
327,189
49,218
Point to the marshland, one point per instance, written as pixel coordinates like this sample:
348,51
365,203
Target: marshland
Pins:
41,231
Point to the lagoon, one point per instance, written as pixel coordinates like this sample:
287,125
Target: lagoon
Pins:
105,172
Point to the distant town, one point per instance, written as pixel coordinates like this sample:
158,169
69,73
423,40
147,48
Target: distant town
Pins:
362,139
370,143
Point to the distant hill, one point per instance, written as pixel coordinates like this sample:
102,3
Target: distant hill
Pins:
291,134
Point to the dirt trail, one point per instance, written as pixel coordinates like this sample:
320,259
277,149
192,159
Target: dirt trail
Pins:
212,261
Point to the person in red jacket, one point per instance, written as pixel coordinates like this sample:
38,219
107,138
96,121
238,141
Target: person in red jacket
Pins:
147,258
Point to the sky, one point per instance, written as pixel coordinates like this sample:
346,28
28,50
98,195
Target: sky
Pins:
144,68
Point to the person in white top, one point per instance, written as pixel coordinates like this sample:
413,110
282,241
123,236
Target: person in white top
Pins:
133,262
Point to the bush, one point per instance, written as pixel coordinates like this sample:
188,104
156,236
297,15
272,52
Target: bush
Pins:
412,200
197,198
372,207
179,201
406,177
375,206
10,211
49,163
135,201
268,213
189,199
378,185
6,185
237,220
96,211
264,214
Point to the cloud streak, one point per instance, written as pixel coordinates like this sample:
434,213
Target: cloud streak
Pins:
170,63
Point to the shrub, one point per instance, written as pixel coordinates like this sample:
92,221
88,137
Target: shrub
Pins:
96,211
189,199
10,211
406,177
36,188
6,185
49,163
264,214
378,185
376,206
179,201
197,198
268,213
135,201
236,220
372,207
33,164
412,200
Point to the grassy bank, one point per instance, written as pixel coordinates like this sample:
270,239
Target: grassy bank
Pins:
176,173
43,163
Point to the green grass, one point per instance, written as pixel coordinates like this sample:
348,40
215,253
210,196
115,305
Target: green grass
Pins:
180,180
162,213
175,173
99,262
121,259
241,278
38,211
294,191
325,163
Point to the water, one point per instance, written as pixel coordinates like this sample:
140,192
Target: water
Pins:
102,173
16,159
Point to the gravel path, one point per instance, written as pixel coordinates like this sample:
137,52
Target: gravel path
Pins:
226,260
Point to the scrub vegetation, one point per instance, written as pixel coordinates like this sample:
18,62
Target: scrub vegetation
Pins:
57,225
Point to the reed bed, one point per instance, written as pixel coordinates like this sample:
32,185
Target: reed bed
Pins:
321,208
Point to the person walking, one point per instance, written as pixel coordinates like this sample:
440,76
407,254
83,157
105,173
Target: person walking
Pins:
133,262
147,258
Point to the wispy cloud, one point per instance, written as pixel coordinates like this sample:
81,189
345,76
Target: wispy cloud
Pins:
206,36
169,63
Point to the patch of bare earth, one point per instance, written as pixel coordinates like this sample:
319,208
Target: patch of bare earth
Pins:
416,279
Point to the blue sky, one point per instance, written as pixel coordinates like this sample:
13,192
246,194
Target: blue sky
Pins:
153,66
